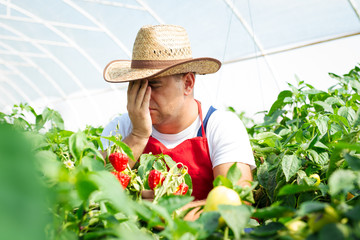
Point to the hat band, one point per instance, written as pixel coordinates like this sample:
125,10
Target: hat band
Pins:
155,64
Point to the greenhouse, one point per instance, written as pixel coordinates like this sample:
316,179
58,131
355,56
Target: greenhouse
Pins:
110,138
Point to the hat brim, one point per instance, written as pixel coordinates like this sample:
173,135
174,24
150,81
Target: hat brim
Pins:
120,70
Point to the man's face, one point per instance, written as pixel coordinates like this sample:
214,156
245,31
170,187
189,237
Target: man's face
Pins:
167,96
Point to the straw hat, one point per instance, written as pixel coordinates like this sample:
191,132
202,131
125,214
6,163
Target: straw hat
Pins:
159,51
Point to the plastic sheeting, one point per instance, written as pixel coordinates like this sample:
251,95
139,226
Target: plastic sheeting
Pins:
52,52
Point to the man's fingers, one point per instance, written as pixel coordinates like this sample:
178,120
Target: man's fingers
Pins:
141,93
132,91
146,102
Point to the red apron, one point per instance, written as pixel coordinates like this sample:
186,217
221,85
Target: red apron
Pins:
194,153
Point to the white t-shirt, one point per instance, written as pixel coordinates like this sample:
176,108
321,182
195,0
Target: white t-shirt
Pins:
227,136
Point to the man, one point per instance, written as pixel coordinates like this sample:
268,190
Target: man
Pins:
163,115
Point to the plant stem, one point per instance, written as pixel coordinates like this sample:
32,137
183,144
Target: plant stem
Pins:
226,233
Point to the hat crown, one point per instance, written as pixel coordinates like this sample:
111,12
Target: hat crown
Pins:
162,42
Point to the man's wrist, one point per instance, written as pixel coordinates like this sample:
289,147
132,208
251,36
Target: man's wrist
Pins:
140,137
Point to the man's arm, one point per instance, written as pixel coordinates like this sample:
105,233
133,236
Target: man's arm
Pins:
246,175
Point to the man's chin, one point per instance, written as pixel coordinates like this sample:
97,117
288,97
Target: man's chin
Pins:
154,119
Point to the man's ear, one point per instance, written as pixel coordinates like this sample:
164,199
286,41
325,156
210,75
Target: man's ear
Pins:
189,82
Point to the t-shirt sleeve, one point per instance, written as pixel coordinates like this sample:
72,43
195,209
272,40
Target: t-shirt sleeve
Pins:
119,125
228,140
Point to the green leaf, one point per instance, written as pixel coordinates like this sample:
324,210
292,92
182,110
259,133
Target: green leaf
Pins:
273,212
267,230
319,144
334,76
268,138
174,202
160,211
312,91
92,164
353,213
77,144
323,158
48,165
169,161
357,118
222,181
334,100
24,201
236,217
207,224
353,161
348,113
84,186
53,116
266,175
355,85
234,174
336,155
322,124
334,159
340,120
293,189
325,106
39,122
160,166
122,145
182,230
111,191
146,164
279,103
342,181
290,165
309,207
313,155
334,231
188,182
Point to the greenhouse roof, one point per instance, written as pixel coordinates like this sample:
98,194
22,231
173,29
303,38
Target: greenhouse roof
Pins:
52,53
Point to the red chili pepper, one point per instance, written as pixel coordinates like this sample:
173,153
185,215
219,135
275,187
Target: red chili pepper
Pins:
123,178
155,178
119,161
181,189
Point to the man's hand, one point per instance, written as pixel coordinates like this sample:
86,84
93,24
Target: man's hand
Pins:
138,96
138,100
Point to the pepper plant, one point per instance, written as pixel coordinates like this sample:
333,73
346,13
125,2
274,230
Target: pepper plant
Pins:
306,184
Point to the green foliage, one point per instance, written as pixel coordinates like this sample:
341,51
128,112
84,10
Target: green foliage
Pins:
305,132
23,203
55,184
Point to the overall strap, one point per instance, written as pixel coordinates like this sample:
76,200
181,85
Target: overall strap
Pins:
201,132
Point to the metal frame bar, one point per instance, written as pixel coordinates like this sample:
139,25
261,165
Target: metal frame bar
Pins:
26,59
31,40
57,32
14,63
28,54
253,36
150,11
15,70
289,48
38,68
7,94
103,28
99,25
115,4
57,24
16,88
355,8
71,43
